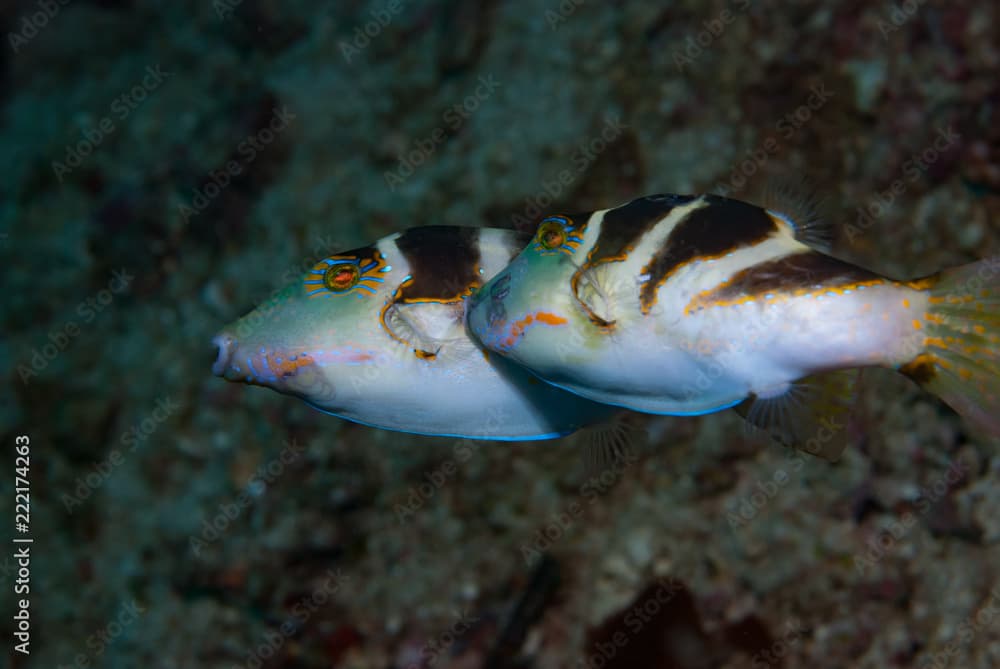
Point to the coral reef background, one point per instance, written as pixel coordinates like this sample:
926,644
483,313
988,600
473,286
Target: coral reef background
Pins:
167,165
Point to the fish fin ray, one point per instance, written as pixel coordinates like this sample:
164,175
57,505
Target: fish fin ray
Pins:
610,444
595,293
427,327
960,360
797,200
811,416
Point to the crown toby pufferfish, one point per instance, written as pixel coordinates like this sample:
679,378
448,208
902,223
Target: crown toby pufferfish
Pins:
687,305
377,335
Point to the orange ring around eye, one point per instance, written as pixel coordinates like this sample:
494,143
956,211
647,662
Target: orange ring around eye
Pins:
551,235
341,277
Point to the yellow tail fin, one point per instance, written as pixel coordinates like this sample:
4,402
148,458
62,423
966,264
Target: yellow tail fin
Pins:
960,362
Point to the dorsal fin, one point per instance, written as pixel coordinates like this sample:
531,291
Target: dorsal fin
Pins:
812,415
798,202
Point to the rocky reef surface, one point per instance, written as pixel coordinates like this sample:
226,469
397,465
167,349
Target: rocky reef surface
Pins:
168,165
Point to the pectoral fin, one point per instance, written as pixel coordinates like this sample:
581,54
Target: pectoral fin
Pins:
427,328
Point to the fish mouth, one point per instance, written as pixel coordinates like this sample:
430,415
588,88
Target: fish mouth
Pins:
225,348
234,362
293,373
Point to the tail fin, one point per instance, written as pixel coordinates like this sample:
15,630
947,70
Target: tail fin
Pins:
960,362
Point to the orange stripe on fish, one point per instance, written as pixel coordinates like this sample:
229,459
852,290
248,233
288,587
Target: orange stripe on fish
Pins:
708,233
704,299
520,326
798,275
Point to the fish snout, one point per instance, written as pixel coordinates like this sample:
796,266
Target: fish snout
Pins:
235,361
290,373
225,346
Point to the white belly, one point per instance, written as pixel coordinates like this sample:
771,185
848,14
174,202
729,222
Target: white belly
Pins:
680,362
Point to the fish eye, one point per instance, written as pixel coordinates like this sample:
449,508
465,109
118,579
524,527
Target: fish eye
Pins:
339,278
341,274
551,235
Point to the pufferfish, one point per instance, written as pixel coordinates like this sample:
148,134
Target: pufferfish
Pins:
687,305
377,336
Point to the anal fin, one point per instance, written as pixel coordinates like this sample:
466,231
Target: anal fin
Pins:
813,415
